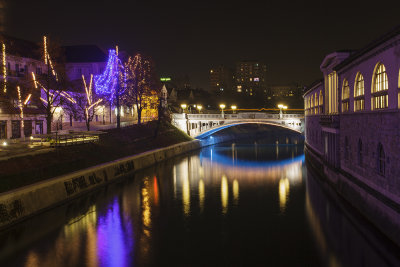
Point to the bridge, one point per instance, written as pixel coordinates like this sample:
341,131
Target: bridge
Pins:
204,125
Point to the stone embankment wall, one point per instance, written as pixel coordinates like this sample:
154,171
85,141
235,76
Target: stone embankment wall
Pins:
378,208
21,203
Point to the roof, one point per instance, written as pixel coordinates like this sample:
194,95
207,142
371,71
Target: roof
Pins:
313,85
21,48
84,53
387,36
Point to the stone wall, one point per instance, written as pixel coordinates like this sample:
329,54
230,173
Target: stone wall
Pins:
21,203
372,128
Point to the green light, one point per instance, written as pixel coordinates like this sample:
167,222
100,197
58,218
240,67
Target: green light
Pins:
167,79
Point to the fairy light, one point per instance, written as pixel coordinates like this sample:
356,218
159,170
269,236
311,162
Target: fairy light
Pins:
107,82
89,96
27,99
4,68
45,49
34,80
21,107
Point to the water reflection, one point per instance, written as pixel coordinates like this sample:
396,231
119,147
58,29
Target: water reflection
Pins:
224,194
234,204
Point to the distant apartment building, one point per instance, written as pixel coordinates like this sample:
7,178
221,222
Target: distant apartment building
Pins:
250,78
221,79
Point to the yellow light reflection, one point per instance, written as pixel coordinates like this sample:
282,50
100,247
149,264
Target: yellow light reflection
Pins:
146,209
224,194
92,246
32,260
283,193
235,189
186,194
201,194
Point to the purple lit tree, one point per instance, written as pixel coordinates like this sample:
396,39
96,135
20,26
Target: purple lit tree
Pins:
110,84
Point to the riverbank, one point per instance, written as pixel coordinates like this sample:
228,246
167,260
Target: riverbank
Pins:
114,144
377,208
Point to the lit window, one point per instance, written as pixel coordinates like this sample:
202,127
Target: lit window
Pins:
380,88
345,96
321,102
359,93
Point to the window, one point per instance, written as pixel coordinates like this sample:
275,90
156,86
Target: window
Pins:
359,93
380,88
345,96
321,102
360,153
331,93
381,160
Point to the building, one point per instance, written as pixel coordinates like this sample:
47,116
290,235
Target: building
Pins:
251,78
221,80
84,60
21,113
352,128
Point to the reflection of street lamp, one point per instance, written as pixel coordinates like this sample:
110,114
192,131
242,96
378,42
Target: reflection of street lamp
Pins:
183,106
222,106
233,108
199,107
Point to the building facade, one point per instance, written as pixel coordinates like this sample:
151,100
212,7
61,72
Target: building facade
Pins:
221,79
352,127
251,78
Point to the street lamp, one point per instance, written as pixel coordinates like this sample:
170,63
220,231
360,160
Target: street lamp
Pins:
233,108
199,107
222,106
183,106
281,106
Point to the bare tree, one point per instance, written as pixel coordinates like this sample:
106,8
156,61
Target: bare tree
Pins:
140,81
83,104
53,83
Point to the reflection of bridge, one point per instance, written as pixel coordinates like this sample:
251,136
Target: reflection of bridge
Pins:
203,125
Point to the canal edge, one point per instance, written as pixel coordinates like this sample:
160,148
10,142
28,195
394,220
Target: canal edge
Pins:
22,203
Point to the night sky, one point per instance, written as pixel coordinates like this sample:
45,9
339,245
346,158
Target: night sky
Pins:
190,37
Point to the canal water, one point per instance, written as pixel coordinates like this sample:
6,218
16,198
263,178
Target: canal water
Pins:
240,204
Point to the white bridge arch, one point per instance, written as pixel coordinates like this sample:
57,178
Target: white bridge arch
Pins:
203,125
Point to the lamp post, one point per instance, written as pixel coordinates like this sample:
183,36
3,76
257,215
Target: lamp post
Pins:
183,106
222,106
234,107
281,106
199,107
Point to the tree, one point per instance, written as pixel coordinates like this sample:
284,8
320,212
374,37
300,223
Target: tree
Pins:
83,105
53,83
110,84
140,81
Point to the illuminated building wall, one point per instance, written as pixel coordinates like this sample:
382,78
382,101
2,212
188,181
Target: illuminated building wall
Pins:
356,131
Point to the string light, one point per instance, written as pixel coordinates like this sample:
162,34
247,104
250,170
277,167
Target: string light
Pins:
89,96
20,105
107,82
4,68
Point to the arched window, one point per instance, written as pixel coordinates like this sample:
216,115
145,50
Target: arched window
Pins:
316,103
359,93
380,88
398,92
360,153
381,160
321,102
345,96
346,148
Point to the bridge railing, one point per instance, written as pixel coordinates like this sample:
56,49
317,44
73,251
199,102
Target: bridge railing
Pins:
237,116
